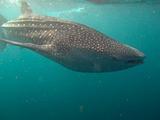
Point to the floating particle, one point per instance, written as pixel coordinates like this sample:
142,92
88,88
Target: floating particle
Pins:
81,108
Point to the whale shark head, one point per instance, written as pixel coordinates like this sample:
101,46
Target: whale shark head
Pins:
121,57
133,56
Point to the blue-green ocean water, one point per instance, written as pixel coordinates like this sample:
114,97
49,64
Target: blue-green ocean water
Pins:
35,88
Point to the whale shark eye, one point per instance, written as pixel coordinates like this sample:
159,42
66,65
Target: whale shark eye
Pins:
115,58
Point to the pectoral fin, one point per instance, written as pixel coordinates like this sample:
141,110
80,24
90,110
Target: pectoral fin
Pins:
41,49
25,45
34,47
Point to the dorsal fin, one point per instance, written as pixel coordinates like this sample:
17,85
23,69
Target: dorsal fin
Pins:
25,8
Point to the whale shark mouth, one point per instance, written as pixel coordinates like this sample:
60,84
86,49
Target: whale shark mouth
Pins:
138,61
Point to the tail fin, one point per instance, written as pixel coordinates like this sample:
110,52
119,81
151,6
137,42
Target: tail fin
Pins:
2,20
25,8
2,45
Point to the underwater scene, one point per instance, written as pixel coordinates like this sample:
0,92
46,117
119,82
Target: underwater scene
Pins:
79,60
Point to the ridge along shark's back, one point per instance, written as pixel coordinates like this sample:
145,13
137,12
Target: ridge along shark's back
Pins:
70,44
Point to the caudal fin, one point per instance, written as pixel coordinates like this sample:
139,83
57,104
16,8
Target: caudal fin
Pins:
2,20
2,45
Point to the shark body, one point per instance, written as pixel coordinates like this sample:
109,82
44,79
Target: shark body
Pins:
73,45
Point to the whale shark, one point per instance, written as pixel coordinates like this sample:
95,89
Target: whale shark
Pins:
73,45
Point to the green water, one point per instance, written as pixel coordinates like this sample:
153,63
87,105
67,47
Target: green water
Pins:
35,88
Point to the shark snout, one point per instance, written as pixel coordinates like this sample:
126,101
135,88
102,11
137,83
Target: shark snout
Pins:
137,57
